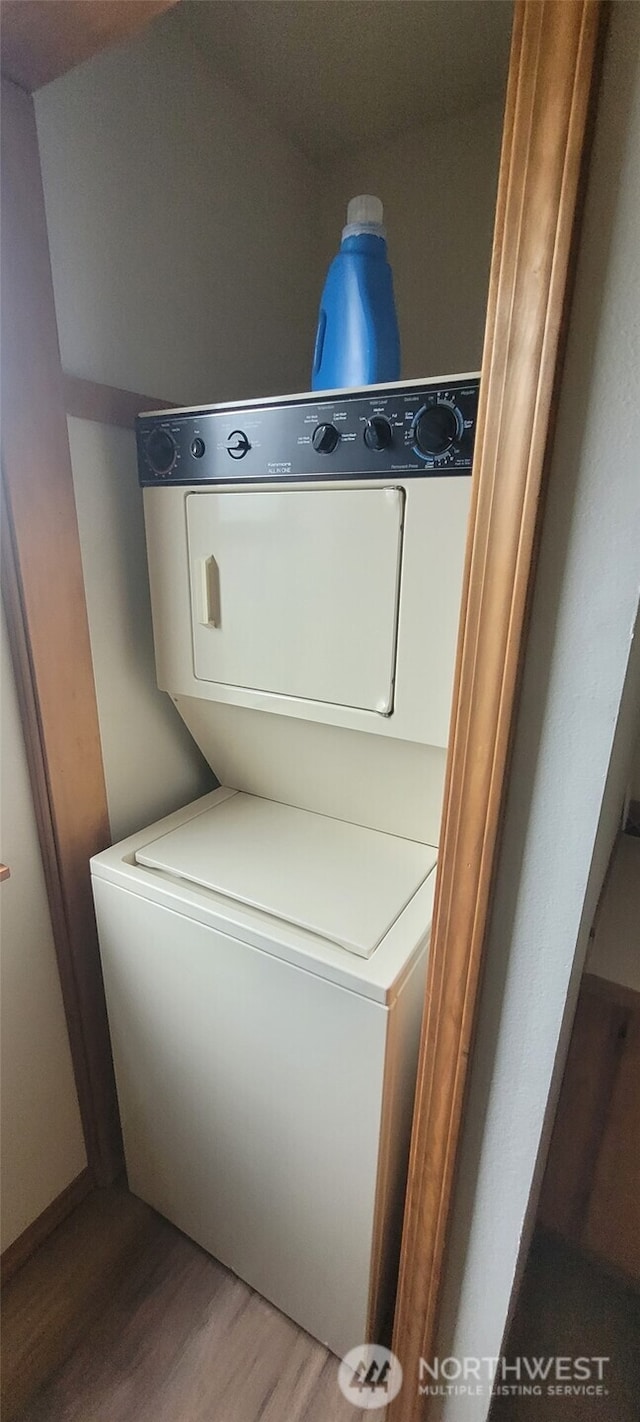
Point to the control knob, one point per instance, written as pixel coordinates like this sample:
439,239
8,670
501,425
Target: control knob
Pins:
436,428
161,451
378,433
325,438
238,444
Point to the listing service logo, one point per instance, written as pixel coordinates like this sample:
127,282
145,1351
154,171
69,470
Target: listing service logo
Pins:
370,1376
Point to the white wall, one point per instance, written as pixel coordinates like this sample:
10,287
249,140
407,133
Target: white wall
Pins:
42,1141
183,245
151,763
569,766
189,244
182,229
438,185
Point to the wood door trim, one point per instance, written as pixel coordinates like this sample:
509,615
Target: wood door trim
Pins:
43,590
106,404
549,95
16,1254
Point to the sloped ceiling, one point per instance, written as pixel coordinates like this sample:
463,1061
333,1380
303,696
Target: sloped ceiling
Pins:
333,75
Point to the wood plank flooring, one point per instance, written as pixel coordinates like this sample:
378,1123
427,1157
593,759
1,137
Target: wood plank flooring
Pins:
120,1318
49,1304
570,1307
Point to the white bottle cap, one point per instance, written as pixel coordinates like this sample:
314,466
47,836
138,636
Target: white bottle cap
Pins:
365,209
364,214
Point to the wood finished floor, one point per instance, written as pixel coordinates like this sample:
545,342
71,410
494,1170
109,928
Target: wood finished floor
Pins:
570,1307
120,1318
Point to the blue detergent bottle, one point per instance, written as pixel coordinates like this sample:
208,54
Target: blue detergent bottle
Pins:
357,341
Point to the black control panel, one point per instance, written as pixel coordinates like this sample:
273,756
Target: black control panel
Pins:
413,430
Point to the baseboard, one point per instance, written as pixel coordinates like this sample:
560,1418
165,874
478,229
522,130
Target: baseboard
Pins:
16,1254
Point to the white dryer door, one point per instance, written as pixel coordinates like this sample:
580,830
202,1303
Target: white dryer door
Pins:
296,592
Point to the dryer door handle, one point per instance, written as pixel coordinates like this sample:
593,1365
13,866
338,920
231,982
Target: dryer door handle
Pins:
210,591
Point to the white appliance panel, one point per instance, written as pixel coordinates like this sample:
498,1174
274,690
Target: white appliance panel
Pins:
433,540
251,1095
418,383
264,949
379,977
379,781
296,592
341,881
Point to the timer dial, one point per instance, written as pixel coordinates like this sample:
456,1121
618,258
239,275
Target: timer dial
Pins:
436,428
161,451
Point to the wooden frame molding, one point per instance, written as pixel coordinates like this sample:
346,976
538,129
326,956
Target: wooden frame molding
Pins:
43,590
551,82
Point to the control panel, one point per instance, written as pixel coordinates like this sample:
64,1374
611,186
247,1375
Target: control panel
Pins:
413,430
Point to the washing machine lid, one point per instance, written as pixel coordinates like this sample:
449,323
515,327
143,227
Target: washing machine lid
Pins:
344,882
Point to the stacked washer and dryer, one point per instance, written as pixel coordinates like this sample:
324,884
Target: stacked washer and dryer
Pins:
264,949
